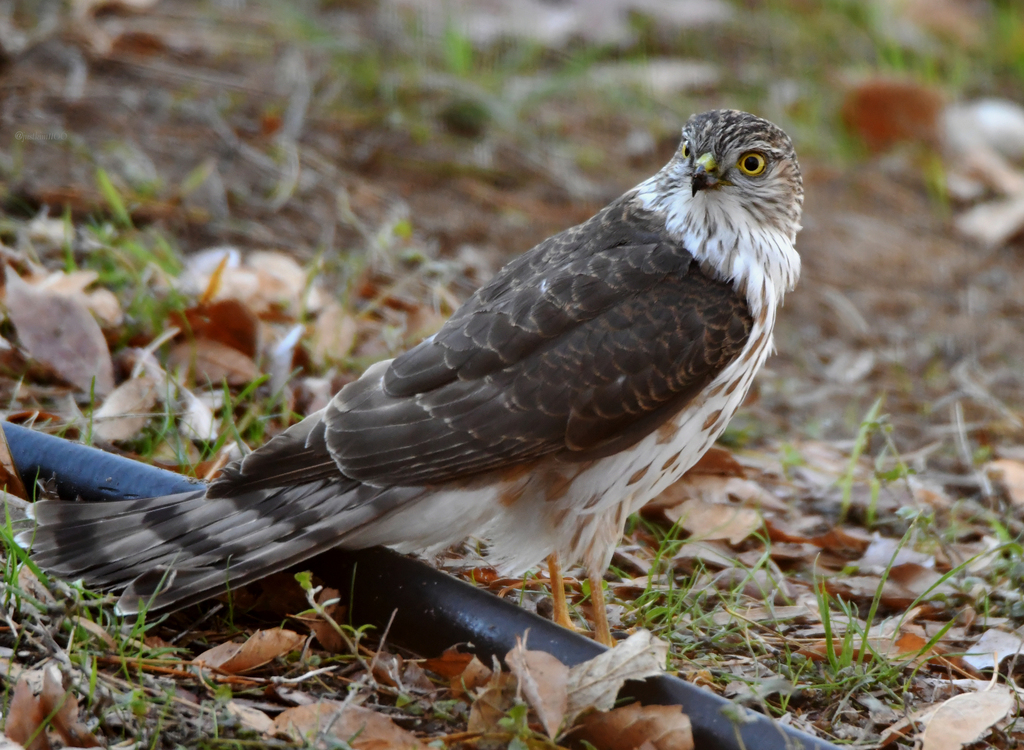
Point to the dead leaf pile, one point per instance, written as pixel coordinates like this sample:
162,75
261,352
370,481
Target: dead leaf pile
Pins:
41,704
576,702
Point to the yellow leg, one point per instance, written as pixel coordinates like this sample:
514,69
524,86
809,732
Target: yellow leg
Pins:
561,615
602,633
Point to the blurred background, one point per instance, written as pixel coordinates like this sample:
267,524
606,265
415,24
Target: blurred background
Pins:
398,152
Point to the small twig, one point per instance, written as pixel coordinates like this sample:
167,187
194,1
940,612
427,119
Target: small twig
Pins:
964,447
383,639
302,678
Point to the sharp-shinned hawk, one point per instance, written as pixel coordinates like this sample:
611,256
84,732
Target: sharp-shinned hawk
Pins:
571,389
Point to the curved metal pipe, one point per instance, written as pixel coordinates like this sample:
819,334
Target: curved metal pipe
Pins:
432,610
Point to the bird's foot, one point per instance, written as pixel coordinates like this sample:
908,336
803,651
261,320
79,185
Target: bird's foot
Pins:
561,605
602,632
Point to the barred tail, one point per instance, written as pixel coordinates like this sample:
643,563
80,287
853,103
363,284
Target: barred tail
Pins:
169,552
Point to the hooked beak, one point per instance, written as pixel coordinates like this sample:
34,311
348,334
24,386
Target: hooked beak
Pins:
705,173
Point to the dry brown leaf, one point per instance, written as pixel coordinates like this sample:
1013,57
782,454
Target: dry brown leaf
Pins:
415,679
543,680
38,695
10,478
595,683
101,302
714,554
884,112
325,633
451,663
226,321
126,410
281,281
635,726
104,305
31,585
334,335
720,462
1010,474
906,647
211,362
64,706
262,646
362,728
492,703
966,718
26,713
387,668
709,521
61,334
250,718
265,281
475,675
96,631
85,8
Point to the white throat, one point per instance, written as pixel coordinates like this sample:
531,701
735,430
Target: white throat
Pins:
758,259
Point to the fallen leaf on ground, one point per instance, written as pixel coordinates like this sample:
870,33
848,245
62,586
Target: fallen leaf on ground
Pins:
387,668
250,718
31,585
61,334
492,703
886,551
96,631
994,647
40,695
226,321
196,419
543,679
210,362
263,646
263,281
634,726
718,461
325,633
451,663
26,712
126,410
63,705
906,647
360,727
994,223
710,521
1010,474
594,684
10,478
965,719
884,112
101,302
475,675
334,335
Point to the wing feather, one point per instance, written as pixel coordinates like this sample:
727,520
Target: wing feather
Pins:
579,348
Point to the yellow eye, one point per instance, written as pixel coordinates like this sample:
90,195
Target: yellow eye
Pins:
686,150
752,163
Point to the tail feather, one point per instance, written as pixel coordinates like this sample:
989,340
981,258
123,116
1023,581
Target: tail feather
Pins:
175,550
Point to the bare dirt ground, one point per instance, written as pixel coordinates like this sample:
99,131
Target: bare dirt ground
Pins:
399,164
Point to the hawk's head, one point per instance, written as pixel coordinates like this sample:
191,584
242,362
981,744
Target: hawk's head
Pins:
733,194
739,158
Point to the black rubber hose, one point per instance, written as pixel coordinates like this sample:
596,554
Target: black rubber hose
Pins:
432,610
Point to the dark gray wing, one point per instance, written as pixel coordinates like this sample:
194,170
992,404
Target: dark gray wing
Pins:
580,347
